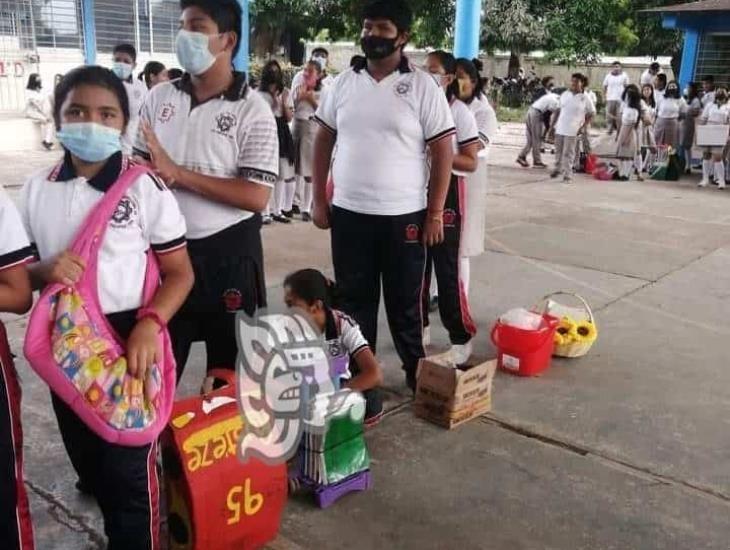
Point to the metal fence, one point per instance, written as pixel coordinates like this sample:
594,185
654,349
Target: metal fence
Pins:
713,58
47,36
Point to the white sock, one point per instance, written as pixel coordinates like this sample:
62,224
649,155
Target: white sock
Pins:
639,163
307,196
278,196
687,159
290,187
465,273
706,170
434,289
720,173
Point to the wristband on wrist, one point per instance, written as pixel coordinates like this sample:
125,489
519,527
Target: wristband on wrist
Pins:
149,313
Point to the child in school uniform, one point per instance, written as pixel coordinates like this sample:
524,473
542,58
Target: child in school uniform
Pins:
687,126
628,135
647,142
92,113
669,110
535,128
274,92
306,100
16,531
313,293
717,112
445,258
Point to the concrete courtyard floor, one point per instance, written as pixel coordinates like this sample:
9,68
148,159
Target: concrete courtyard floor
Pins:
627,448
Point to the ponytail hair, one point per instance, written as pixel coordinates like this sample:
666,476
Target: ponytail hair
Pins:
312,286
473,69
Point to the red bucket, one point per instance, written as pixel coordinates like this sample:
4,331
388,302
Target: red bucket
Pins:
525,352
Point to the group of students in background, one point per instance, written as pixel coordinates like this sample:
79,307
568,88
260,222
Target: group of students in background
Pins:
643,118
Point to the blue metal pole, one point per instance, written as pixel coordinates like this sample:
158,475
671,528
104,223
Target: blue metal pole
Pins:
241,60
689,57
87,15
468,22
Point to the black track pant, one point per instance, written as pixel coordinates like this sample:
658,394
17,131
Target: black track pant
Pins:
229,277
444,260
369,250
123,480
16,531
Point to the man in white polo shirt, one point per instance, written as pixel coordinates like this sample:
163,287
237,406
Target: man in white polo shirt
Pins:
214,141
384,115
576,111
613,89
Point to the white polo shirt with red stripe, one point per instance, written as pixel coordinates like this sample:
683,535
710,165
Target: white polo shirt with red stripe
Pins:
383,130
14,244
228,136
55,203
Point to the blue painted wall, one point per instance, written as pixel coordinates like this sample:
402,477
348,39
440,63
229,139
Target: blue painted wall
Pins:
242,59
87,13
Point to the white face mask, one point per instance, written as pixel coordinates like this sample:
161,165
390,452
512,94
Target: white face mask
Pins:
122,70
193,52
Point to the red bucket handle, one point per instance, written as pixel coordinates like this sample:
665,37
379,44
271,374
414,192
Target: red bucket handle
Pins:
552,324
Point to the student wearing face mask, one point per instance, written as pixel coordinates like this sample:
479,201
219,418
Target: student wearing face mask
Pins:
669,109
687,126
91,112
383,116
717,112
124,63
214,140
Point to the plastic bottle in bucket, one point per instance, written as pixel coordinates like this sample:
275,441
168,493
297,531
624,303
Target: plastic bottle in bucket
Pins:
525,351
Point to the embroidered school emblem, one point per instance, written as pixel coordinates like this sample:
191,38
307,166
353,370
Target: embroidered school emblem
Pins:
412,233
225,122
125,213
166,113
334,348
233,299
449,217
402,88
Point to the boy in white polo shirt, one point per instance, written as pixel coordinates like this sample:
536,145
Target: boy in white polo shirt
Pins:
125,61
534,128
214,141
613,89
383,115
576,111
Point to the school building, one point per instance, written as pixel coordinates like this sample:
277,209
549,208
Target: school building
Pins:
706,27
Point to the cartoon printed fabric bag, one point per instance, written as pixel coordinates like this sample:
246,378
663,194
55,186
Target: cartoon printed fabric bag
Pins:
72,347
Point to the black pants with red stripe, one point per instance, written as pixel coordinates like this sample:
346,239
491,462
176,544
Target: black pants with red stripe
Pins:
123,480
16,531
368,250
229,277
444,259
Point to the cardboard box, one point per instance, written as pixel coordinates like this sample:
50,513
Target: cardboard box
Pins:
712,135
450,397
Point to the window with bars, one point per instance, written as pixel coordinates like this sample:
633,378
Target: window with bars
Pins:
713,58
150,25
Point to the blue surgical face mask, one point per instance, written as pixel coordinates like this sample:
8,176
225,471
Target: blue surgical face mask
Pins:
89,141
122,70
193,52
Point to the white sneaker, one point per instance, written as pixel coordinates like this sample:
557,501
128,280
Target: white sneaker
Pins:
721,185
703,183
426,337
460,354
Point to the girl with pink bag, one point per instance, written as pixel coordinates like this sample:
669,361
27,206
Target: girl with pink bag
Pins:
114,267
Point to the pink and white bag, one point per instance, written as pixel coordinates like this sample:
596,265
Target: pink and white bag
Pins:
72,347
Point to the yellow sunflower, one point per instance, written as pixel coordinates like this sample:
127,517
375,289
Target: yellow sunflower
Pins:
559,339
586,333
567,330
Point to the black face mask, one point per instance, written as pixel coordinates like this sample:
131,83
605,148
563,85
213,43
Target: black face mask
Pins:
377,47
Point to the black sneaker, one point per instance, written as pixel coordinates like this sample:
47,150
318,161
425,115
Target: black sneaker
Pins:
373,407
289,214
295,209
411,381
433,304
280,219
306,217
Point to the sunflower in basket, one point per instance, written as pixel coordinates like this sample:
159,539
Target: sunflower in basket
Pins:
566,332
586,332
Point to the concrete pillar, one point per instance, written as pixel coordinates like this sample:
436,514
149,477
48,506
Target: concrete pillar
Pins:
241,60
468,23
87,15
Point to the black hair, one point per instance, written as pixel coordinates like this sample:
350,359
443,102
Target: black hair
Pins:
225,13
320,70
651,102
34,82
311,286
90,75
708,78
546,80
269,76
317,50
632,97
655,66
446,60
358,61
174,73
473,70
662,77
126,48
616,63
693,91
672,94
397,11
580,76
153,68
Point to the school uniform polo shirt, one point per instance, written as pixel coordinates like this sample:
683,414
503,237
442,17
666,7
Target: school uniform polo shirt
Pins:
382,131
467,132
229,136
574,108
136,93
716,114
615,84
343,337
14,245
56,202
549,103
708,99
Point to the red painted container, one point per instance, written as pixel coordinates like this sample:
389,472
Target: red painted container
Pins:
215,501
525,352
